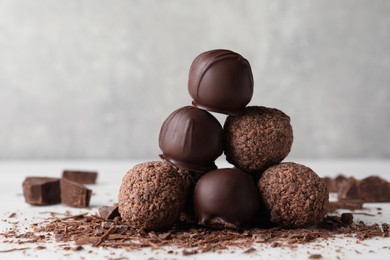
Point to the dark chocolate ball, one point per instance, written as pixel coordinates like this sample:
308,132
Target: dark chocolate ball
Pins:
191,138
257,138
226,198
152,195
294,195
221,81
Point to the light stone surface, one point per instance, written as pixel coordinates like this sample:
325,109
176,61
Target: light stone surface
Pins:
96,78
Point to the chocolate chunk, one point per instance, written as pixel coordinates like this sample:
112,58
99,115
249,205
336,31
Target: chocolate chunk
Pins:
330,184
221,81
41,190
335,184
370,189
374,189
108,212
345,204
340,180
349,190
74,194
347,218
82,177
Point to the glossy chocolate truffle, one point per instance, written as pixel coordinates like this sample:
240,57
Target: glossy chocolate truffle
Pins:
221,81
294,195
226,198
257,138
152,195
191,138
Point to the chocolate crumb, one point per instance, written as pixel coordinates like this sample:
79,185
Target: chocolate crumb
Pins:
189,252
78,248
249,250
315,256
347,218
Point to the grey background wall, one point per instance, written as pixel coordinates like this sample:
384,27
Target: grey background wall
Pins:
96,78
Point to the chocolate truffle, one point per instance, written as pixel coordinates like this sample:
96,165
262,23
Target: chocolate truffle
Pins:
221,81
191,138
258,138
226,198
152,195
294,195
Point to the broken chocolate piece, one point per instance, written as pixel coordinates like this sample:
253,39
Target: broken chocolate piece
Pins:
349,190
335,184
330,184
345,204
82,177
370,189
74,194
41,190
108,212
374,189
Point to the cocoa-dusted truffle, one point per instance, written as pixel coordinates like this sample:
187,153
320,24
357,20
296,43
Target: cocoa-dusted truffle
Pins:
152,195
258,138
220,81
191,138
226,198
294,195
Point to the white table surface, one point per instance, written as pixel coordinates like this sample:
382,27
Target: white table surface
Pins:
106,190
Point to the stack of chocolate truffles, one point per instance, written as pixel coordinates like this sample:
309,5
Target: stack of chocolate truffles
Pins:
259,190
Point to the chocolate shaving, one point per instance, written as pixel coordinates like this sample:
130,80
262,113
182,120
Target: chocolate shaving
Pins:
249,251
104,237
14,249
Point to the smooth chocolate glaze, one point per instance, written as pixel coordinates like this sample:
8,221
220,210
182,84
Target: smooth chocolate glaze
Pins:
221,81
191,138
226,198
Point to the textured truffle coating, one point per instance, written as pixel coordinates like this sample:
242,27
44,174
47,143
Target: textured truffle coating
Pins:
152,195
258,138
294,195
